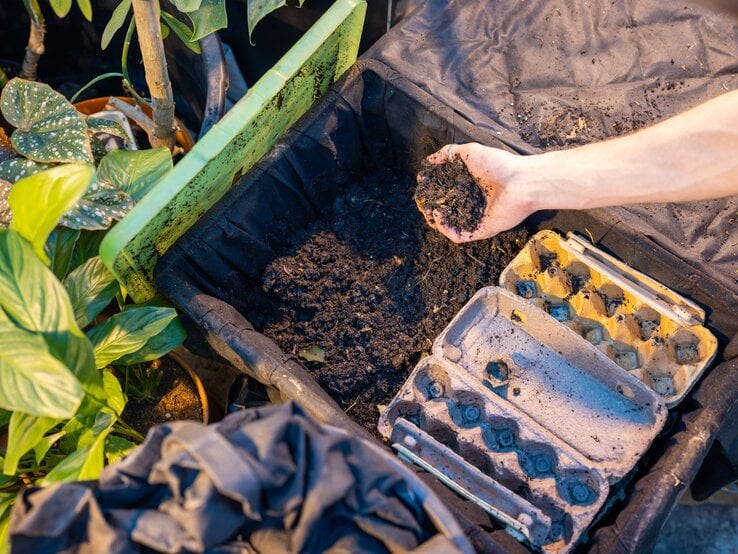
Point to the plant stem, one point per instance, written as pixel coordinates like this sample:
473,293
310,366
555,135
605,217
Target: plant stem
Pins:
92,82
147,15
122,428
35,48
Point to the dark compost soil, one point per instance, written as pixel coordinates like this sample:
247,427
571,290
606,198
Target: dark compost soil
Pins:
451,190
368,289
176,398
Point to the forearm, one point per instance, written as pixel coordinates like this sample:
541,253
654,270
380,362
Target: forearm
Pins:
692,156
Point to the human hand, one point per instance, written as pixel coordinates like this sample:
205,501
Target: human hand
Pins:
507,205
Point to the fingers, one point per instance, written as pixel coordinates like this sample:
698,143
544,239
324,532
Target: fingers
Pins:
444,155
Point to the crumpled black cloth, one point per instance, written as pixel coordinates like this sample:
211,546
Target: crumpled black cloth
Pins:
264,480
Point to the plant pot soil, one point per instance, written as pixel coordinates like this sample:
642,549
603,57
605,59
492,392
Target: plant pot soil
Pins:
450,190
178,397
368,288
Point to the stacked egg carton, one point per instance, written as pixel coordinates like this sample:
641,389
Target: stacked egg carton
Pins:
647,329
524,417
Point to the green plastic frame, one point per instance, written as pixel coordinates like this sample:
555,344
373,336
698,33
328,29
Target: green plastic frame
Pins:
132,248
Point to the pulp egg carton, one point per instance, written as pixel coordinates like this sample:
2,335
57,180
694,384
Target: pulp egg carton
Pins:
524,417
646,328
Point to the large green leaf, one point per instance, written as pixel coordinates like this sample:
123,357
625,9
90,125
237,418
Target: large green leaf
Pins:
135,171
32,381
127,332
48,128
37,301
43,446
88,459
116,399
61,7
88,246
91,287
24,433
18,168
102,204
60,248
39,201
187,5
116,22
208,18
170,338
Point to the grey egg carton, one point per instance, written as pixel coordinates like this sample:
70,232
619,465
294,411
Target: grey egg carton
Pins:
523,416
646,328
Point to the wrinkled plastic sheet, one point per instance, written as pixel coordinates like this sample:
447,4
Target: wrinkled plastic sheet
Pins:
542,75
372,106
262,480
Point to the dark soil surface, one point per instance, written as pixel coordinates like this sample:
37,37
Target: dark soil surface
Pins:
452,191
176,398
368,289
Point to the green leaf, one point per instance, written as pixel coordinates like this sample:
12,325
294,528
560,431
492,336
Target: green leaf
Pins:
32,381
16,169
170,338
48,128
164,30
86,8
102,204
34,10
7,504
127,332
4,418
24,433
60,248
6,214
88,246
43,446
181,30
117,448
87,460
256,10
135,171
39,201
61,7
120,13
91,287
116,400
102,125
208,18
37,301
186,5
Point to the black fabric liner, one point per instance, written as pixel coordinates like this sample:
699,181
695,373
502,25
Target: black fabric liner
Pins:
204,272
522,69
262,480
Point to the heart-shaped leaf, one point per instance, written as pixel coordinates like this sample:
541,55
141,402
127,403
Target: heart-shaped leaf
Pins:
39,201
98,208
135,171
33,381
48,128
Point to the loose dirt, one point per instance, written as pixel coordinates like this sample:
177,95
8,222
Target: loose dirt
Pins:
368,289
452,191
176,398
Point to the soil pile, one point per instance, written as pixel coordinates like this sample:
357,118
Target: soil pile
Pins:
452,191
366,290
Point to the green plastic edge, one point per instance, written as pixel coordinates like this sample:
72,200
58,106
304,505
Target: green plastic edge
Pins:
132,248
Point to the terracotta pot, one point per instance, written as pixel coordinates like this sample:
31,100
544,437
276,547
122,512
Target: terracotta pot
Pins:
94,105
181,362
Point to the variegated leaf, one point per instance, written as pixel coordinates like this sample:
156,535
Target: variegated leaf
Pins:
102,125
99,207
6,215
48,128
18,168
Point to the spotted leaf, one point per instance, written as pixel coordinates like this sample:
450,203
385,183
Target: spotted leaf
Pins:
48,128
5,214
18,168
102,204
102,125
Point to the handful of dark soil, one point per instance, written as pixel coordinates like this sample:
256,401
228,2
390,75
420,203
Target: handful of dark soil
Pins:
450,189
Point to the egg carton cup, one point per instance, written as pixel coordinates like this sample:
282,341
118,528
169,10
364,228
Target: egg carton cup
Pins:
649,330
524,417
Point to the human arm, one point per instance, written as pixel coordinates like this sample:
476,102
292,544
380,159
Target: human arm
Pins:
692,156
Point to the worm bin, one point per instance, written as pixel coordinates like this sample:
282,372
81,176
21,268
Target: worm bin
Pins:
317,276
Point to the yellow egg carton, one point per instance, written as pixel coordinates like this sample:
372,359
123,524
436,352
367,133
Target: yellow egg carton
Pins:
646,328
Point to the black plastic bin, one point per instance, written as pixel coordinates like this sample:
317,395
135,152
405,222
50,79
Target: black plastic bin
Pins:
205,271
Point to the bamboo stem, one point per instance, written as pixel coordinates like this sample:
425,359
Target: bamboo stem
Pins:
35,47
147,14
